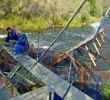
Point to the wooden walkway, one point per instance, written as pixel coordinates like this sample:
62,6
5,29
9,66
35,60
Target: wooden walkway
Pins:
51,80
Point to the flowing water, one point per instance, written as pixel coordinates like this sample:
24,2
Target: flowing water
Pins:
70,38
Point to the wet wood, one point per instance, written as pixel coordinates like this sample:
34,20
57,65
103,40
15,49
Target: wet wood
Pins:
95,46
61,58
90,55
98,42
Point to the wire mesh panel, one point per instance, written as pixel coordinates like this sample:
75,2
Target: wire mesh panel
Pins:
43,93
18,75
7,90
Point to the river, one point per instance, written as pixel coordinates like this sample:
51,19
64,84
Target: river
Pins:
70,38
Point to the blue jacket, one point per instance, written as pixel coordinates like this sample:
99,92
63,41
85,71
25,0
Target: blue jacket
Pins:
95,94
22,45
11,36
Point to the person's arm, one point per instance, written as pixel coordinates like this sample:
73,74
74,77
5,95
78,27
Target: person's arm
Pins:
7,38
15,36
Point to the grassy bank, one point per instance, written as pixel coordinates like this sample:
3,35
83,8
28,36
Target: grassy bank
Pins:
24,23
106,92
39,23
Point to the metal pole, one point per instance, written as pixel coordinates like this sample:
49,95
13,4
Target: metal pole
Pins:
108,10
38,47
69,74
61,32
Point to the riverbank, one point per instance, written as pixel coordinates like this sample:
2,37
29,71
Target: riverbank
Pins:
39,23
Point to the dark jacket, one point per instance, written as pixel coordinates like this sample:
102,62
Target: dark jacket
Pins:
11,36
22,45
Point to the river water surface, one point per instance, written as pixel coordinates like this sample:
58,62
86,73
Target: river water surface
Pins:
70,38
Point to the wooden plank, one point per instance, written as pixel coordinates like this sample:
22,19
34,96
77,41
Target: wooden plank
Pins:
26,61
90,55
95,46
59,85
39,94
98,42
52,80
61,58
14,70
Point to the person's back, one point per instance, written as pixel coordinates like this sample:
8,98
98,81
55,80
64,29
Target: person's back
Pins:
22,45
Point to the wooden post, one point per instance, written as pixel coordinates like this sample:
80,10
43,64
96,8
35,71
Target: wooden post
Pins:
62,57
102,37
75,62
93,56
95,46
103,34
98,42
90,55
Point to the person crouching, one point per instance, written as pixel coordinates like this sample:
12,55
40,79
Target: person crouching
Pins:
11,35
22,45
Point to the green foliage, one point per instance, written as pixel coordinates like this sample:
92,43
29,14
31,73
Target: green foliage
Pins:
38,14
85,16
94,11
106,92
33,23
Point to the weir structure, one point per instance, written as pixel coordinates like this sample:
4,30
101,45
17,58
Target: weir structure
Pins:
46,83
32,80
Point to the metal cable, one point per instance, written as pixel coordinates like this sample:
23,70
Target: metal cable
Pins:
61,32
96,33
70,68
71,84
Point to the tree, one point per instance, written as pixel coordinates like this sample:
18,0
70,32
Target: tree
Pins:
93,7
